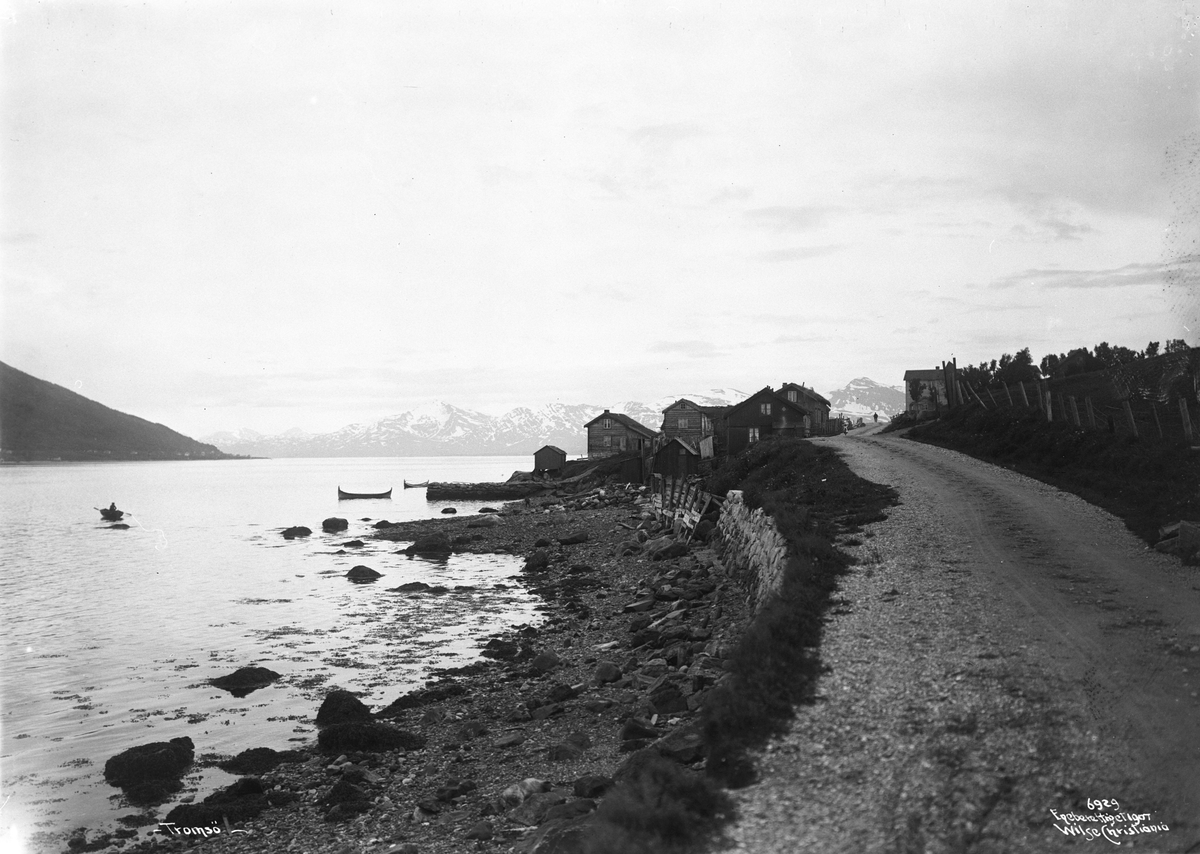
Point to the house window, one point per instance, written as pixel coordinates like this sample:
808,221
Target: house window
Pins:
753,435
792,395
608,441
705,424
683,423
606,423
764,408
621,442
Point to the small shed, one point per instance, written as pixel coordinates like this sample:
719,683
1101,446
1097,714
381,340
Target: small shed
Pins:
549,459
677,458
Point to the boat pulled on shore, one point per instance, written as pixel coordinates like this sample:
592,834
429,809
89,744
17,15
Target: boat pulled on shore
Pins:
343,495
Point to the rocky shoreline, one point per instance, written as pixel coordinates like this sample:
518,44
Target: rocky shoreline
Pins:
509,752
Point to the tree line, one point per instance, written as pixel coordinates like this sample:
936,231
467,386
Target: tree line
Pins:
1010,369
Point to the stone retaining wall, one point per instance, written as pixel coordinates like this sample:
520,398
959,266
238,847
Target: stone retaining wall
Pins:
751,548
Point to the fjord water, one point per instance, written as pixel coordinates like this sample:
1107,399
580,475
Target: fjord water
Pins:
110,636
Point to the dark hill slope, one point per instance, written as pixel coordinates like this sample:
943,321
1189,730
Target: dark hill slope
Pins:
43,421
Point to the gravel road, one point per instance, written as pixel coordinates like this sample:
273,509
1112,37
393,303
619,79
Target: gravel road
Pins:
1003,653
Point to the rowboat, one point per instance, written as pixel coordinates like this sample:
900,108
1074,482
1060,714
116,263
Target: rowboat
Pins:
343,495
108,514
408,485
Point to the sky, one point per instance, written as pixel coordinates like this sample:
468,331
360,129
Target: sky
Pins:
272,215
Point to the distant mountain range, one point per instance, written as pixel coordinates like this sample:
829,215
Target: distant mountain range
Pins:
442,428
862,398
41,421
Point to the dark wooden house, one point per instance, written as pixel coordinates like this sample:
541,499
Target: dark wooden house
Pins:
677,458
814,404
549,459
612,433
764,413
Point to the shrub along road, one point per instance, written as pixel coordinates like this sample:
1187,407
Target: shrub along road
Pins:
1003,653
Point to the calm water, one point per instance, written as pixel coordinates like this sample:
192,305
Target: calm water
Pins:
111,635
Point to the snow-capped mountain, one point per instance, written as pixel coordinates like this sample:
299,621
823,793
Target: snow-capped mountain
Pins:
862,398
442,428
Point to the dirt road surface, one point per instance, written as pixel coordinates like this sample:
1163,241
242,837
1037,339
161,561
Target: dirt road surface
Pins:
1004,657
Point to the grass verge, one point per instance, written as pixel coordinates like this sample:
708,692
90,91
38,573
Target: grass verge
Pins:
1145,482
812,496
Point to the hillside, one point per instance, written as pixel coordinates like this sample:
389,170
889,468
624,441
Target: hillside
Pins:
863,397
41,421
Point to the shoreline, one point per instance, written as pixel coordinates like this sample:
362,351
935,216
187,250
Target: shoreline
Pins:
565,703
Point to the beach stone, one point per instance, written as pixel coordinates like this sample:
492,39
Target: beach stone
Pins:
519,791
532,811
436,543
560,692
537,561
510,740
545,661
363,573
244,680
591,786
334,524
259,760
352,544
296,531
481,830
574,539
411,587
240,801
448,510
563,751
635,728
341,707
367,737
148,772
570,810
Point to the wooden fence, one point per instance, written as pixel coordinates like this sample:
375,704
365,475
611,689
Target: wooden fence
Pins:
681,503
1153,399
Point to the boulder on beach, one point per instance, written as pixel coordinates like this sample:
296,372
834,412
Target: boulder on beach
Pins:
436,543
333,524
341,707
367,737
363,573
259,760
149,772
242,681
449,510
296,531
240,801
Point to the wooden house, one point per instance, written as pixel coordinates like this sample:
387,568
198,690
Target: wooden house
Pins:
549,459
612,433
695,424
925,391
764,413
814,404
677,458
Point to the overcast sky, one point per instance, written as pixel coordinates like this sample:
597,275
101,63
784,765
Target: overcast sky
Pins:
285,214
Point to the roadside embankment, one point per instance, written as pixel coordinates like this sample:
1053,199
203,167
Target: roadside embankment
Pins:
1147,482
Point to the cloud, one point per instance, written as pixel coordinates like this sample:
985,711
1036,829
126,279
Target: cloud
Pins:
666,134
790,218
798,253
693,349
1131,275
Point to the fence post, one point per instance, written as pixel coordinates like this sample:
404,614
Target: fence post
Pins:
1049,406
995,402
1157,423
1129,415
1091,413
1187,419
1024,396
1074,411
1009,393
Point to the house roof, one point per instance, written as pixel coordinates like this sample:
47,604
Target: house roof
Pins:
621,418
756,398
550,448
934,374
691,447
804,390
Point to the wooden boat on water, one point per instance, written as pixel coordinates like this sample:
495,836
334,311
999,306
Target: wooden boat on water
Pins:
408,485
342,495
110,514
